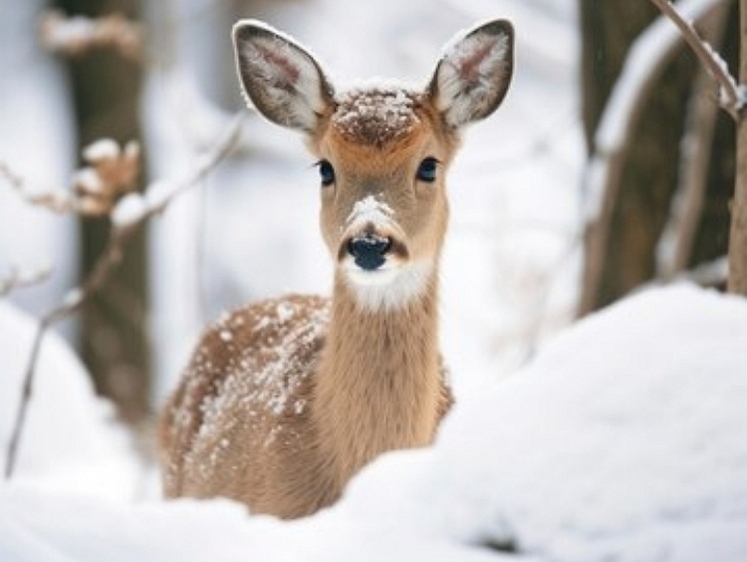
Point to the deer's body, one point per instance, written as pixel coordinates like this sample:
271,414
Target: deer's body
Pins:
285,400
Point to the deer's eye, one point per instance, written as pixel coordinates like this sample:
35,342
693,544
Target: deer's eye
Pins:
326,172
427,170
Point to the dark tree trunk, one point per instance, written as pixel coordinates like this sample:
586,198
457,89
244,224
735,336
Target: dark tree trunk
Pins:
106,92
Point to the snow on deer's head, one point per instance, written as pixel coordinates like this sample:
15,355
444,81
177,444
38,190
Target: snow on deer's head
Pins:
382,149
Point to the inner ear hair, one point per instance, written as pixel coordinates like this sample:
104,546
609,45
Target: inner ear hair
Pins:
473,76
280,77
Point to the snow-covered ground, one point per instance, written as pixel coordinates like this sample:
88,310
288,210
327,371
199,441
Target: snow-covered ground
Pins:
622,440
619,438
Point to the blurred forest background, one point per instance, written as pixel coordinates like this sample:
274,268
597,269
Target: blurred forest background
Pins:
164,76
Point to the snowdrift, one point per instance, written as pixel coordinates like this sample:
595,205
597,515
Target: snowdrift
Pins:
624,439
70,439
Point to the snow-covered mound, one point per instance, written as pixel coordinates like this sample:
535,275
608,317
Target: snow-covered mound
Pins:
624,440
69,439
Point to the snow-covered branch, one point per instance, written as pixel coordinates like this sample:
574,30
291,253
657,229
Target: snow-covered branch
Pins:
127,215
54,199
732,97
76,35
110,172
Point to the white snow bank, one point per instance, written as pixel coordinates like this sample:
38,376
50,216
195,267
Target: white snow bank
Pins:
624,440
70,440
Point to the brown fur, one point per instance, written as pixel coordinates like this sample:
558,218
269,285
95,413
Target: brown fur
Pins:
290,450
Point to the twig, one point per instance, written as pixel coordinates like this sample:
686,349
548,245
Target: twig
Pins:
731,100
125,221
675,245
57,200
16,278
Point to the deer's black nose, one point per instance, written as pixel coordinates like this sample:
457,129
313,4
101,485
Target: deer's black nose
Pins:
369,251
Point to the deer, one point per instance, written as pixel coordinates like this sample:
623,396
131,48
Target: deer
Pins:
284,400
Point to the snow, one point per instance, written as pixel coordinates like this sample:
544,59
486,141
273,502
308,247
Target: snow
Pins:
623,439
72,298
129,210
70,439
102,149
376,115
73,31
88,180
370,210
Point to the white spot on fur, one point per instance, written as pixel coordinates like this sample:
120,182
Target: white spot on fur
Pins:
285,312
391,287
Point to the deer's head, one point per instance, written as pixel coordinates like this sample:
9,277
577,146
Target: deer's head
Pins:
382,150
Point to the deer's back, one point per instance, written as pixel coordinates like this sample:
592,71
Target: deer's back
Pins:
239,425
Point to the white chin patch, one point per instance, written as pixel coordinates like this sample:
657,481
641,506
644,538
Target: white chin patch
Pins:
390,287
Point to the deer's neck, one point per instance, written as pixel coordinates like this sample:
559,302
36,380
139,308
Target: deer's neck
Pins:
379,380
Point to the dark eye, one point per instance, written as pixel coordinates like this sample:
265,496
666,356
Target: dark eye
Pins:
427,170
326,173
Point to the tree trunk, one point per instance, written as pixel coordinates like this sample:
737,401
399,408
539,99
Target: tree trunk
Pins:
650,172
106,92
649,175
738,235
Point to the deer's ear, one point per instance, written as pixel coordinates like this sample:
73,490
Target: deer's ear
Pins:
474,73
280,78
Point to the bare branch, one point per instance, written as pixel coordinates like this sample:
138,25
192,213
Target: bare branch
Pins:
16,278
56,200
675,245
125,222
731,100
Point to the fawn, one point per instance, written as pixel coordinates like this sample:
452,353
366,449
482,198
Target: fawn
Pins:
285,400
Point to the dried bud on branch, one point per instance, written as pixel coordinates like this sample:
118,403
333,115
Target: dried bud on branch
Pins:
111,173
76,35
